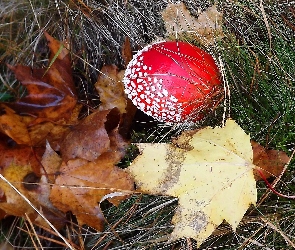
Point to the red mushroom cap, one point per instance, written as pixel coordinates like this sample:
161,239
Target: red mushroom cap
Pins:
172,81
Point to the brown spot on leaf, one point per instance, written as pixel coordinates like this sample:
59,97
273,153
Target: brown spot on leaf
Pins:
31,181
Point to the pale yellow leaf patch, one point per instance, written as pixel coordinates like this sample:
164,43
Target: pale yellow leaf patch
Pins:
212,178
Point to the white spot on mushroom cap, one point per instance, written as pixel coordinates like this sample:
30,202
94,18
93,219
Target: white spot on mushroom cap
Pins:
160,94
165,92
173,98
141,105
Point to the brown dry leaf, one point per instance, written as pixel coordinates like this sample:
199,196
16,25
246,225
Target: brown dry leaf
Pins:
51,92
52,132
206,28
11,202
40,192
270,161
212,176
50,106
20,128
19,165
111,89
13,154
83,184
90,138
13,125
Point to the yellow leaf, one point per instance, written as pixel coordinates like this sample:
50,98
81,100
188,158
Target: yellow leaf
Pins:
212,177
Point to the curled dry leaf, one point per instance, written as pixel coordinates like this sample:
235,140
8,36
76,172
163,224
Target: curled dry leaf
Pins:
206,28
109,84
90,138
270,161
211,174
51,92
111,89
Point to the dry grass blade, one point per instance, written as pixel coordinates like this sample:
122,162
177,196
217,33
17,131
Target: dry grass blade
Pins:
32,233
279,230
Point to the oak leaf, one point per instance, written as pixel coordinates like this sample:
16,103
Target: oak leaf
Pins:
51,92
211,174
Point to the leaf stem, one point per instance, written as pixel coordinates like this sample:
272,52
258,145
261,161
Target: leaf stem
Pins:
272,188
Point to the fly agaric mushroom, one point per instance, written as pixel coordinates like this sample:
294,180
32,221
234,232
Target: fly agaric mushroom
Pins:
172,81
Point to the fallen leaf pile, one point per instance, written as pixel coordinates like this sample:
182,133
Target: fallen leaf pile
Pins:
60,163
44,121
50,106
